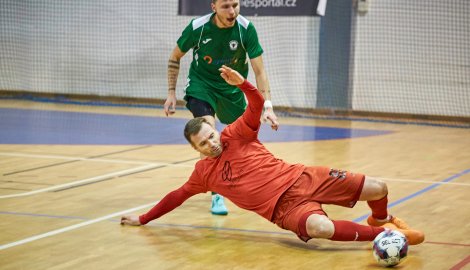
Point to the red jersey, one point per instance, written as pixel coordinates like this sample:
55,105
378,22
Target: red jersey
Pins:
245,172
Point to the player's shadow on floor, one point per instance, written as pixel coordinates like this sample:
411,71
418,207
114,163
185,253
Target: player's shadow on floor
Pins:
171,233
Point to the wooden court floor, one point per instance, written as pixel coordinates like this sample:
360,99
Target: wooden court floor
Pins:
60,204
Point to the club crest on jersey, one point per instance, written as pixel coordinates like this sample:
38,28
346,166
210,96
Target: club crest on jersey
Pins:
233,45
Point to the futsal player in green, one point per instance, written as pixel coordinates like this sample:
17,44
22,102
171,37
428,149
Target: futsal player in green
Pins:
221,38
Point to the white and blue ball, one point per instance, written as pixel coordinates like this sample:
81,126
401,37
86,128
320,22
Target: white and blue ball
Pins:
390,247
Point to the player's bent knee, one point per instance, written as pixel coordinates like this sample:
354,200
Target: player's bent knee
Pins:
320,226
381,189
373,189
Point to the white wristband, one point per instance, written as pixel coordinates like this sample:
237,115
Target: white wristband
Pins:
268,104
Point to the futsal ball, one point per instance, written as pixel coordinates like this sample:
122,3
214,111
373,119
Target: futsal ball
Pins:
390,247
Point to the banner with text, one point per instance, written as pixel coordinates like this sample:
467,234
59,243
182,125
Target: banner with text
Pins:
259,7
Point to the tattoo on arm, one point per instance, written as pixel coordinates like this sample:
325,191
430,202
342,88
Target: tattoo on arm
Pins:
173,70
173,64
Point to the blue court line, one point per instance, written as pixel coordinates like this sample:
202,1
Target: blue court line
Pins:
64,100
409,197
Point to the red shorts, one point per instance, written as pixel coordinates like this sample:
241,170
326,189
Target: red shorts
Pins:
316,186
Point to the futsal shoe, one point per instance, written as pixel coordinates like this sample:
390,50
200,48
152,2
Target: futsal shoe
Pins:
218,205
391,219
414,237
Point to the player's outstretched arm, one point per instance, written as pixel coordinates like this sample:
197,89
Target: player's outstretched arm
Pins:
167,204
252,114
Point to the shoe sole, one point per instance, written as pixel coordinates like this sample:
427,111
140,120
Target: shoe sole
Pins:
414,237
220,213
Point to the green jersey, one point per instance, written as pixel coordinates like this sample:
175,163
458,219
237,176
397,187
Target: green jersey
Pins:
213,47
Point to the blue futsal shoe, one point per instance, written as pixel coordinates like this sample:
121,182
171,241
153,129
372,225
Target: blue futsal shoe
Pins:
218,205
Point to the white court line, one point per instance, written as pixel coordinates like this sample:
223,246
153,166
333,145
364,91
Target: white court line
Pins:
84,181
73,227
72,158
86,223
12,154
422,181
148,165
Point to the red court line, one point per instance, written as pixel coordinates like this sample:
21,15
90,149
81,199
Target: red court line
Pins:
448,244
461,264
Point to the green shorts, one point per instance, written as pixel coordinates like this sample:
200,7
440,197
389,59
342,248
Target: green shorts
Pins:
228,104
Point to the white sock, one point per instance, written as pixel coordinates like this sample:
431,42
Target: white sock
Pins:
389,217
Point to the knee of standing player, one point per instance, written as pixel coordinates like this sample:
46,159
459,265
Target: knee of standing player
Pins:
319,226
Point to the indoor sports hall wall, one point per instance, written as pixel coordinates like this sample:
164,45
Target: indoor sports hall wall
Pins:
121,48
400,57
413,57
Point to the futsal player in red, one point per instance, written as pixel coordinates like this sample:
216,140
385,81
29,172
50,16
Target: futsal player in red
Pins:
240,168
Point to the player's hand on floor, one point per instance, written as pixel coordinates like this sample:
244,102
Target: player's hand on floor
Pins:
130,220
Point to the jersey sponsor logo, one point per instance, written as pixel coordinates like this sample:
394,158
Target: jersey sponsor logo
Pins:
337,174
208,59
233,44
205,41
226,61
